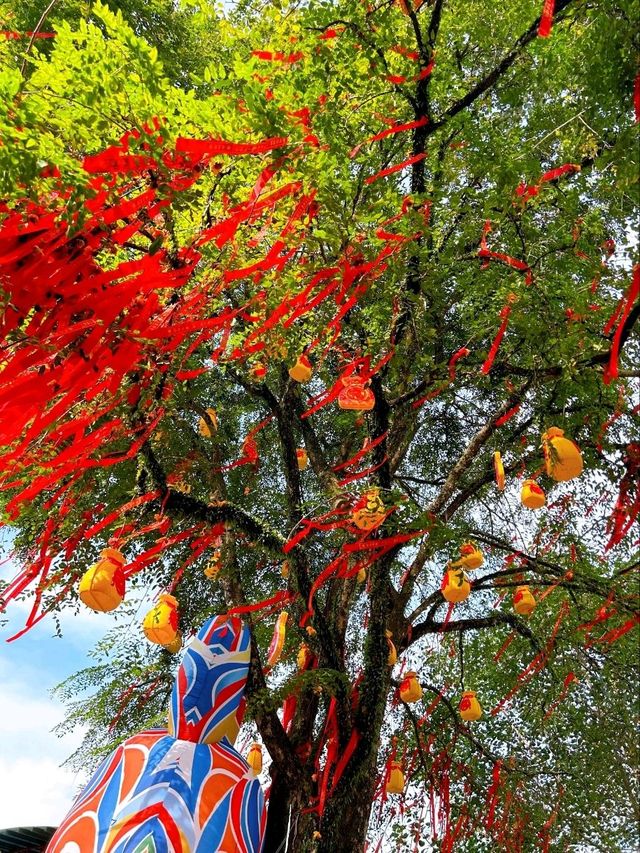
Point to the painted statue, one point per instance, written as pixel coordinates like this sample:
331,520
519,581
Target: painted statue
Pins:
184,789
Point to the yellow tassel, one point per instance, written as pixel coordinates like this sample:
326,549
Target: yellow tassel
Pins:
254,758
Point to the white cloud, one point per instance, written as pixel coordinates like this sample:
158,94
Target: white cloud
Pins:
34,792
34,789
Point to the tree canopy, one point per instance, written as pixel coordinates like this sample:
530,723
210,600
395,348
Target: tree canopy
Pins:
432,206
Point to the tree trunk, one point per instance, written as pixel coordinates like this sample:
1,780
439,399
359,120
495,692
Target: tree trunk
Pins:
296,836
277,816
346,819
344,825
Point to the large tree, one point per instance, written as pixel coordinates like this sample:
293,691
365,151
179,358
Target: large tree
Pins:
435,202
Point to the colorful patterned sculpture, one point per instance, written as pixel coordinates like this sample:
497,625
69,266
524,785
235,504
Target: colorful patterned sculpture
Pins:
185,789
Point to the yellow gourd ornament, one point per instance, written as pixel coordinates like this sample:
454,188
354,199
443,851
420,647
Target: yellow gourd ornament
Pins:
469,707
254,758
471,557
102,586
531,495
392,657
301,370
410,690
302,457
455,586
354,395
562,457
203,426
160,625
361,576
174,647
524,602
395,782
369,511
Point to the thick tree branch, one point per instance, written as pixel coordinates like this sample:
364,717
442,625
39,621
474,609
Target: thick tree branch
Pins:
181,505
473,624
471,451
490,79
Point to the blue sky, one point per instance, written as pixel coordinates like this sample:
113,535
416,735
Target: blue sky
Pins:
35,789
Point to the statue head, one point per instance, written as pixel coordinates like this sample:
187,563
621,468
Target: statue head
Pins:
207,703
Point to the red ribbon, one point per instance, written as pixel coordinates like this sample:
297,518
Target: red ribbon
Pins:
508,415
546,19
278,600
611,371
461,353
504,313
397,168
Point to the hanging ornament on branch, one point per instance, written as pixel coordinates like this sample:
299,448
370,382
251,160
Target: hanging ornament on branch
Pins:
531,495
524,602
471,557
562,457
160,625
102,586
455,586
469,707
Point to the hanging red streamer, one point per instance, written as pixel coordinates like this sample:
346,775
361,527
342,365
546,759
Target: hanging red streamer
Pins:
632,296
546,19
504,313
397,168
461,353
